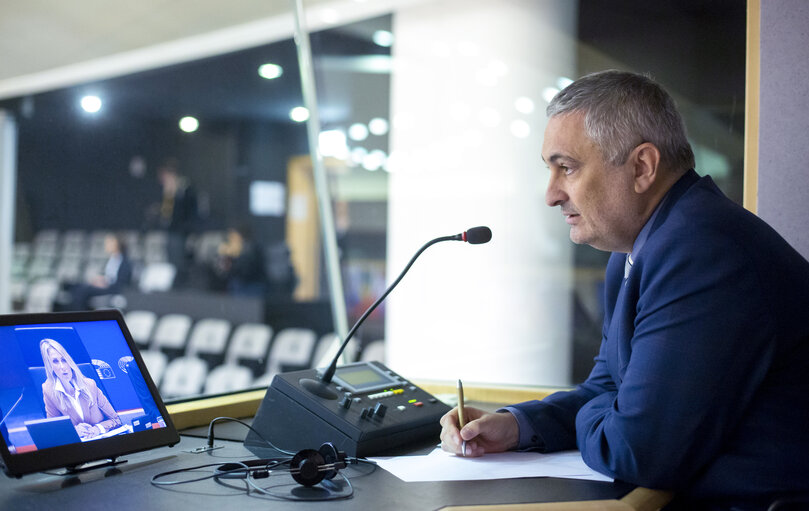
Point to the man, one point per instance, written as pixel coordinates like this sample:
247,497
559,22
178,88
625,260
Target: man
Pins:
177,214
700,385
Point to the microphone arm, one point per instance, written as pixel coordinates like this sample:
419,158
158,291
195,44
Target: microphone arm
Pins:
475,235
329,374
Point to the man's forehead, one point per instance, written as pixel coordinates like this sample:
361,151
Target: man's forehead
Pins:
564,135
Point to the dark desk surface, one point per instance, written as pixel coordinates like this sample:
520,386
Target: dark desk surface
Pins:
373,489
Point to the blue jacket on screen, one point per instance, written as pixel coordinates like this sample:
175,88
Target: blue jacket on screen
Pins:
701,384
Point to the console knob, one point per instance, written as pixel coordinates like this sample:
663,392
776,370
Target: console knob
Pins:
346,402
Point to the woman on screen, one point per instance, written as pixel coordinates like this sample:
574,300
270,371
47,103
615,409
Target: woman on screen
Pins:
67,391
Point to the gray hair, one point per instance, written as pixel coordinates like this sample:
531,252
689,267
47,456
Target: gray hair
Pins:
623,110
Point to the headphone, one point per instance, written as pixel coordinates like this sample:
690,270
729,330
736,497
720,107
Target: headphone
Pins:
307,467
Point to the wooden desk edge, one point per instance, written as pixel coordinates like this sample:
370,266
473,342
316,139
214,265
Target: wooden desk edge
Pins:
639,499
199,412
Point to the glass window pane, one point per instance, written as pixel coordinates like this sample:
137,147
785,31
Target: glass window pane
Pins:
432,117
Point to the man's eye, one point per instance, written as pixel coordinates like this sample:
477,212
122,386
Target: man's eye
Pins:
565,169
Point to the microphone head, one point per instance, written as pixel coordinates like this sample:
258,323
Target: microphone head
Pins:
477,235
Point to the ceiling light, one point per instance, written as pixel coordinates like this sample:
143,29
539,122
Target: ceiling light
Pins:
374,160
270,71
358,132
378,126
383,38
358,154
548,93
563,82
189,124
299,114
520,128
91,104
333,143
524,105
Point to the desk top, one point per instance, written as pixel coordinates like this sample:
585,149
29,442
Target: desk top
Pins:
374,488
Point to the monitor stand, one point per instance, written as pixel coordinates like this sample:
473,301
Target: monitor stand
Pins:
73,472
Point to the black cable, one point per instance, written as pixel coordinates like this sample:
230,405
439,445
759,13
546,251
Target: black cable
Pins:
330,496
251,473
211,435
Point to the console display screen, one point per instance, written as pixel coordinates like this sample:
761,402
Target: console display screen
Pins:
362,377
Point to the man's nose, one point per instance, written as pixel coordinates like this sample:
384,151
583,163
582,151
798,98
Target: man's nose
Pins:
554,194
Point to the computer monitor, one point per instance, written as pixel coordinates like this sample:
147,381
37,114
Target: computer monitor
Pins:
74,389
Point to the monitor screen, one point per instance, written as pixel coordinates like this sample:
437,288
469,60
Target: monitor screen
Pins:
73,389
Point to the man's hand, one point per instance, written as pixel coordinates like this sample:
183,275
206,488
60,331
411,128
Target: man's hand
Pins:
484,432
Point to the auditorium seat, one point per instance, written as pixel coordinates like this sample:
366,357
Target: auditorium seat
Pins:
22,254
157,276
156,362
41,295
208,340
141,324
228,377
68,269
249,345
206,246
184,376
374,350
41,266
155,247
46,243
291,349
327,347
96,244
171,334
74,244
134,247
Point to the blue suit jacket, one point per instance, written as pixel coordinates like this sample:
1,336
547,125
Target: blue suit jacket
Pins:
702,379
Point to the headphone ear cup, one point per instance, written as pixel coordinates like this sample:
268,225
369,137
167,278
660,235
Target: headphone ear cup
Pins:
307,467
332,457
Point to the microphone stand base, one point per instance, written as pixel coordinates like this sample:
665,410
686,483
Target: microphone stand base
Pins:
317,388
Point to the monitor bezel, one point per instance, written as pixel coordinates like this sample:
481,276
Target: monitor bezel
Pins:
75,455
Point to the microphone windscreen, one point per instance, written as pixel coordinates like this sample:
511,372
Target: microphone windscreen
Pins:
478,235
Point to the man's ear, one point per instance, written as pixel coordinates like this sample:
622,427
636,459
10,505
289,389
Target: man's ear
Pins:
646,163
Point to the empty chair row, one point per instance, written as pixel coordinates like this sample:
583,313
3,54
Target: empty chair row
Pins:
40,294
215,340
77,243
189,375
147,276
148,247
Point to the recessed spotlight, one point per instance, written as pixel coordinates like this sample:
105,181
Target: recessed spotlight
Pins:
299,114
189,124
333,143
563,81
520,128
378,126
270,71
524,105
358,132
383,38
91,104
548,93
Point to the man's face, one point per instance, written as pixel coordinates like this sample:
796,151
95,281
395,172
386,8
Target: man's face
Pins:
597,198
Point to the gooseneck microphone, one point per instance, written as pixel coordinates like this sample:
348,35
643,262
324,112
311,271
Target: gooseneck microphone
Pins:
473,236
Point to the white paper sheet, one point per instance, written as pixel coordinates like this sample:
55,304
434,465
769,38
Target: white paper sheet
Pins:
443,466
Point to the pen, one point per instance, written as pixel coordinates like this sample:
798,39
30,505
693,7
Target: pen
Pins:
461,420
